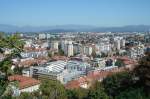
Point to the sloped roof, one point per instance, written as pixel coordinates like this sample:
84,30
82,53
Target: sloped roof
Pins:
24,82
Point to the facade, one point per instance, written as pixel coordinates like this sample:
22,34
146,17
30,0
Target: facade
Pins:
69,50
64,44
48,36
28,43
60,70
34,54
88,50
54,45
123,42
98,63
77,48
45,45
136,52
103,47
117,44
26,84
42,36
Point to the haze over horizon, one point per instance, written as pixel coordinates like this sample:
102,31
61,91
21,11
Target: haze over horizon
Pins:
101,13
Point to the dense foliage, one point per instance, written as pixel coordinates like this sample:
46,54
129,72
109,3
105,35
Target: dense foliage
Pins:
53,89
142,72
116,83
14,44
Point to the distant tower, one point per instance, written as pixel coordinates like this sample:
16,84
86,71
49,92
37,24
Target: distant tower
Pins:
54,45
69,50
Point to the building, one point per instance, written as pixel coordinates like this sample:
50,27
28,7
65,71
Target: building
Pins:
63,44
48,36
54,45
26,84
69,51
34,53
42,36
77,48
103,47
45,45
117,44
28,43
136,52
59,70
98,63
123,42
88,50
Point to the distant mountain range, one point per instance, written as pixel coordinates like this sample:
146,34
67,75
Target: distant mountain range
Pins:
74,28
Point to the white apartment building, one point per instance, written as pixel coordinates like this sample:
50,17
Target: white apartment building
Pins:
103,47
63,44
28,43
54,45
77,48
48,36
87,50
119,42
34,54
45,45
42,36
67,47
136,52
123,42
69,50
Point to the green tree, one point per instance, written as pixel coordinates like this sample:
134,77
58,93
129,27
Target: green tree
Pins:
53,89
116,83
18,70
2,84
133,93
61,52
14,44
77,93
119,63
93,54
142,71
50,54
25,95
97,92
104,55
6,67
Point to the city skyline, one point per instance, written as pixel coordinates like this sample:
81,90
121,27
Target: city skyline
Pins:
86,12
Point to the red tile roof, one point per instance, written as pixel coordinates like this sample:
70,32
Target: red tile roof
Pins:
31,49
24,82
72,84
28,63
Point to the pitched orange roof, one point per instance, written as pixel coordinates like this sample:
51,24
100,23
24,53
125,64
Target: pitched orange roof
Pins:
28,63
32,49
72,84
24,82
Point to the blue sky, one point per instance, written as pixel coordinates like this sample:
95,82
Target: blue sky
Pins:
83,12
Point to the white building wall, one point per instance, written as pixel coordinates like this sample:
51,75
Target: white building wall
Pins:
54,45
88,50
42,36
70,50
30,89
